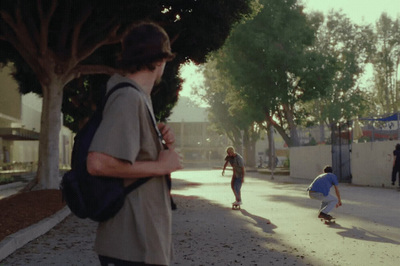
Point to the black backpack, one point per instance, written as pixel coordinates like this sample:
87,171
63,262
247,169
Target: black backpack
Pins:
96,197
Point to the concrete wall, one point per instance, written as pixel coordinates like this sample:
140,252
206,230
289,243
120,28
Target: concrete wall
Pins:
371,163
307,162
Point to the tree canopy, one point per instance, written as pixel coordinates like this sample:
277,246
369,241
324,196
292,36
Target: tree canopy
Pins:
51,43
228,112
272,66
288,69
386,62
349,46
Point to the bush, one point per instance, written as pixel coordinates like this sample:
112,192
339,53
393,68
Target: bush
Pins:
6,179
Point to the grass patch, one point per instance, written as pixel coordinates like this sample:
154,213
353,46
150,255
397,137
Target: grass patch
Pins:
6,179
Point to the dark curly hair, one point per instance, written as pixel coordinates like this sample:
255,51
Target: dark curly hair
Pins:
328,169
144,45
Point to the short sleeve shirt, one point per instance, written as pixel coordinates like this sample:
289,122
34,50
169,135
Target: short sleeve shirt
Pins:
237,164
141,230
323,183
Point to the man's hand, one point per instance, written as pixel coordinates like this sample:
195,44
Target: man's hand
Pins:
170,160
168,135
339,204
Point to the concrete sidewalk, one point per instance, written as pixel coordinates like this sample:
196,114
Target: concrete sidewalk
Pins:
206,231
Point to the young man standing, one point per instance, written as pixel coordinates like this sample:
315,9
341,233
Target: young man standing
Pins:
319,190
237,163
396,165
127,145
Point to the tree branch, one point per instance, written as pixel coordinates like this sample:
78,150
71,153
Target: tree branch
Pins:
20,31
62,40
76,32
44,25
113,37
100,29
80,70
18,37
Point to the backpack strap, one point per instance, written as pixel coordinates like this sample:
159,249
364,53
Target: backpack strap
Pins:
116,87
127,84
139,181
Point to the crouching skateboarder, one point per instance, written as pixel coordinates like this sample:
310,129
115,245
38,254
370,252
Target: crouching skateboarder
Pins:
319,190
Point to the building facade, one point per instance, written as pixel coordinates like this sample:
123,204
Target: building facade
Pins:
20,127
199,146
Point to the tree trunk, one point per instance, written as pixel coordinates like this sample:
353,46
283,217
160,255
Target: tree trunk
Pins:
294,138
271,146
48,165
249,149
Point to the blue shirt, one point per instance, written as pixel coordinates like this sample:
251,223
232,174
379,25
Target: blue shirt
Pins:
323,183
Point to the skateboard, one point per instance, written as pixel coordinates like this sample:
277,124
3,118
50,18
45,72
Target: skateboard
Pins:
235,207
331,221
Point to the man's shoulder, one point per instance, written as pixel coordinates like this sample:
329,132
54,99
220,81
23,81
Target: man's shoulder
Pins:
239,156
331,175
333,178
130,92
117,79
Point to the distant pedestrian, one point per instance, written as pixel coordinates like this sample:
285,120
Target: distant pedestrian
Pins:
237,163
260,162
396,164
319,190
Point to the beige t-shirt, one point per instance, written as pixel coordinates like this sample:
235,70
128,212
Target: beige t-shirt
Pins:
141,230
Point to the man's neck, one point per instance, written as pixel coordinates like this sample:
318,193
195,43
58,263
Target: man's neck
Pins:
145,79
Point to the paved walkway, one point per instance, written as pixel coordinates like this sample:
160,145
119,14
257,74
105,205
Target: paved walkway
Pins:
277,225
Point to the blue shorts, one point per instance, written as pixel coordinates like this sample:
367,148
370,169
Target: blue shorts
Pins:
237,185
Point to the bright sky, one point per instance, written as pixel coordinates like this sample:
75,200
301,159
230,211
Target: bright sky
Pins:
359,11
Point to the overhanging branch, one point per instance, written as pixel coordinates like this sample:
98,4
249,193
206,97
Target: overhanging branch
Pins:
76,32
20,33
90,70
112,37
44,25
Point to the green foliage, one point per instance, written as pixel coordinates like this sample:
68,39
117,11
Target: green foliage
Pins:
195,27
286,163
271,65
346,48
386,65
4,179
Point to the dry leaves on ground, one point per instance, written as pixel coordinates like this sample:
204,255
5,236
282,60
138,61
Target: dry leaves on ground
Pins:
24,209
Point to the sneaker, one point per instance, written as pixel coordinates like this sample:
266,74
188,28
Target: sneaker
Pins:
239,203
324,216
235,202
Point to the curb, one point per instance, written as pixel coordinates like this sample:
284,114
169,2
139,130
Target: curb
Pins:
11,185
17,240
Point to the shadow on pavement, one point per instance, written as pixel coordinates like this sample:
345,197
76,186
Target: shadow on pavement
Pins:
362,234
261,222
206,233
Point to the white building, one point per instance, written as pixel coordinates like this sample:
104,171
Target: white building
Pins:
20,127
